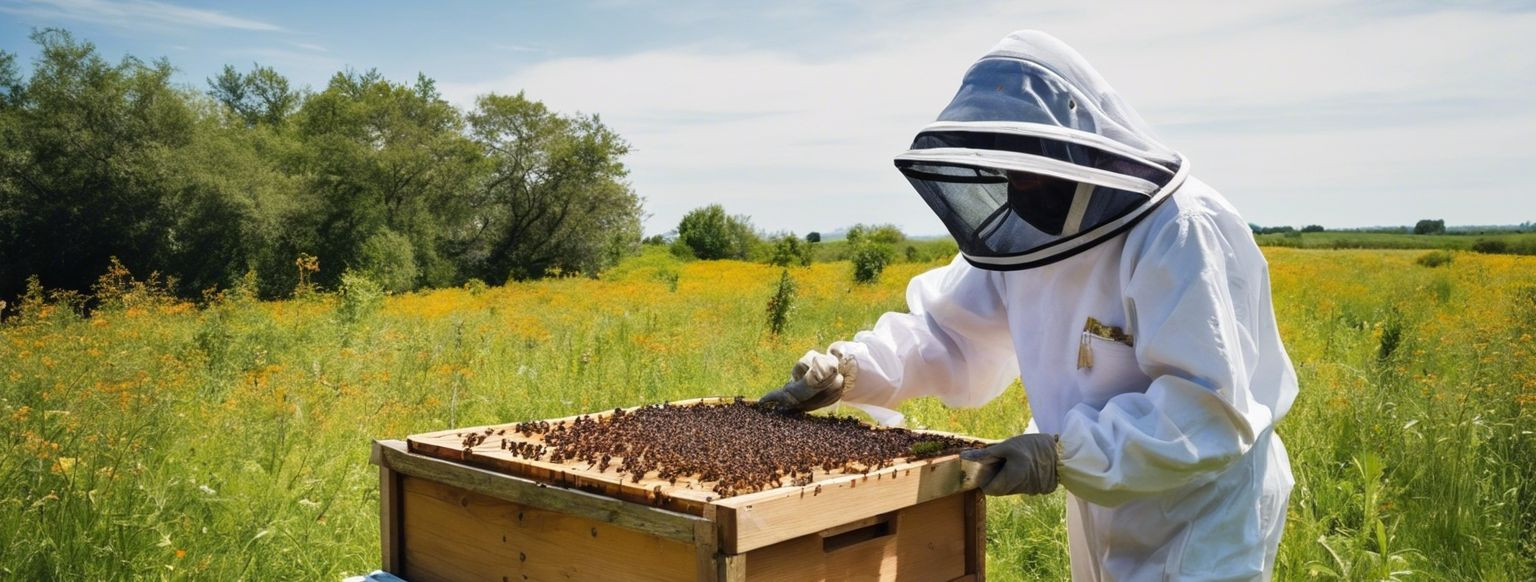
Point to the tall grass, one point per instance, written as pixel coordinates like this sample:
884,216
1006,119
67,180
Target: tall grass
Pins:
156,438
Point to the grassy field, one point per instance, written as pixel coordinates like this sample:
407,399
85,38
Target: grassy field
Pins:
161,439
1520,243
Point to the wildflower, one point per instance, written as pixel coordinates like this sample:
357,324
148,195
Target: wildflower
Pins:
62,465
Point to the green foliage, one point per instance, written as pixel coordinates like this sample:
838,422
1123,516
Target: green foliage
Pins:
109,159
260,96
1490,246
555,197
359,297
382,156
790,251
881,234
1312,228
389,259
781,303
709,233
813,237
1428,226
1435,259
1517,243
869,260
85,144
1270,229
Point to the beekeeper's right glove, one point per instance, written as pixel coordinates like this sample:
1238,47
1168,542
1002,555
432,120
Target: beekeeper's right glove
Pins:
1026,463
817,380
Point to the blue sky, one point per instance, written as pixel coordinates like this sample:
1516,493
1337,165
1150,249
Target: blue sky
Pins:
1333,112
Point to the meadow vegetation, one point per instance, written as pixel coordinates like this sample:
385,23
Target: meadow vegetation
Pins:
228,438
1516,243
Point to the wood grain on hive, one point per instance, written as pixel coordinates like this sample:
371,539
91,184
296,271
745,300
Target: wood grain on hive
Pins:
484,513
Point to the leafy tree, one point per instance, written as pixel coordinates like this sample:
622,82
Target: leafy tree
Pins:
261,96
555,196
789,250
1312,228
381,155
813,237
883,234
712,234
85,146
1428,226
1271,229
227,187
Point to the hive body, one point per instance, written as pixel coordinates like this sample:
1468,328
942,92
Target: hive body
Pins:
495,510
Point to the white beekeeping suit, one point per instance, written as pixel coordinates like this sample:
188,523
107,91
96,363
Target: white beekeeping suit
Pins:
1130,299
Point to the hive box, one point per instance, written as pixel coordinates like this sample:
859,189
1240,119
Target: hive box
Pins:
447,513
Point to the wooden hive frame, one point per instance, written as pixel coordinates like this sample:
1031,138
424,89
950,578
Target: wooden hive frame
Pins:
433,491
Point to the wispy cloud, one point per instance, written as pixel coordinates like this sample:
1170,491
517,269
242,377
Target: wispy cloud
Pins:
133,14
519,48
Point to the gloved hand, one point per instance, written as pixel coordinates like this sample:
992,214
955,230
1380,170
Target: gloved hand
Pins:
816,381
1023,464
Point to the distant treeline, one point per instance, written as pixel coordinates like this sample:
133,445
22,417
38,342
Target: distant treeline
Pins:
1425,234
251,178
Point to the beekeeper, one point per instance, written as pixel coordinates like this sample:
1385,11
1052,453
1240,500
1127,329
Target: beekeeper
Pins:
1128,296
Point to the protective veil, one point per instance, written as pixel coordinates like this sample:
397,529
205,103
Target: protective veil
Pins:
1139,320
1036,159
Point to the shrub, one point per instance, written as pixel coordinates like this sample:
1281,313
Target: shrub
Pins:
1492,247
781,303
681,250
1435,258
814,237
360,297
869,260
389,259
790,251
886,234
1312,228
712,234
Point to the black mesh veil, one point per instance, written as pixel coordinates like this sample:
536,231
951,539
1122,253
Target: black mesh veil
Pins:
1036,158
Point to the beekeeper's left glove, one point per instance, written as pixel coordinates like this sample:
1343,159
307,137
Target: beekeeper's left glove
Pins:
1023,464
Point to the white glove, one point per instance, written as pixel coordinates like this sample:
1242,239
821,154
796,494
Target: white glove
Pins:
816,381
1023,464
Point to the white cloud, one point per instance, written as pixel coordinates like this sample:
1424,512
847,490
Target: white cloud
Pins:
133,14
309,46
1320,111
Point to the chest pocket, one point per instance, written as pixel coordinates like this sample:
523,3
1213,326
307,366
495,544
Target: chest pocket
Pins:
1106,364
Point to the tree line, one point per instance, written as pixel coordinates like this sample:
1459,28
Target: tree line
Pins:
250,177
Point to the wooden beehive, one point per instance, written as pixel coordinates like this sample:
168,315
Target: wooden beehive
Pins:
447,513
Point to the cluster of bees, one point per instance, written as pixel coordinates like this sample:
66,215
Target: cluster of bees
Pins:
729,449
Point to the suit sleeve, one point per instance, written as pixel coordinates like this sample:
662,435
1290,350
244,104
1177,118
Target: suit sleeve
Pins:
1189,293
954,343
